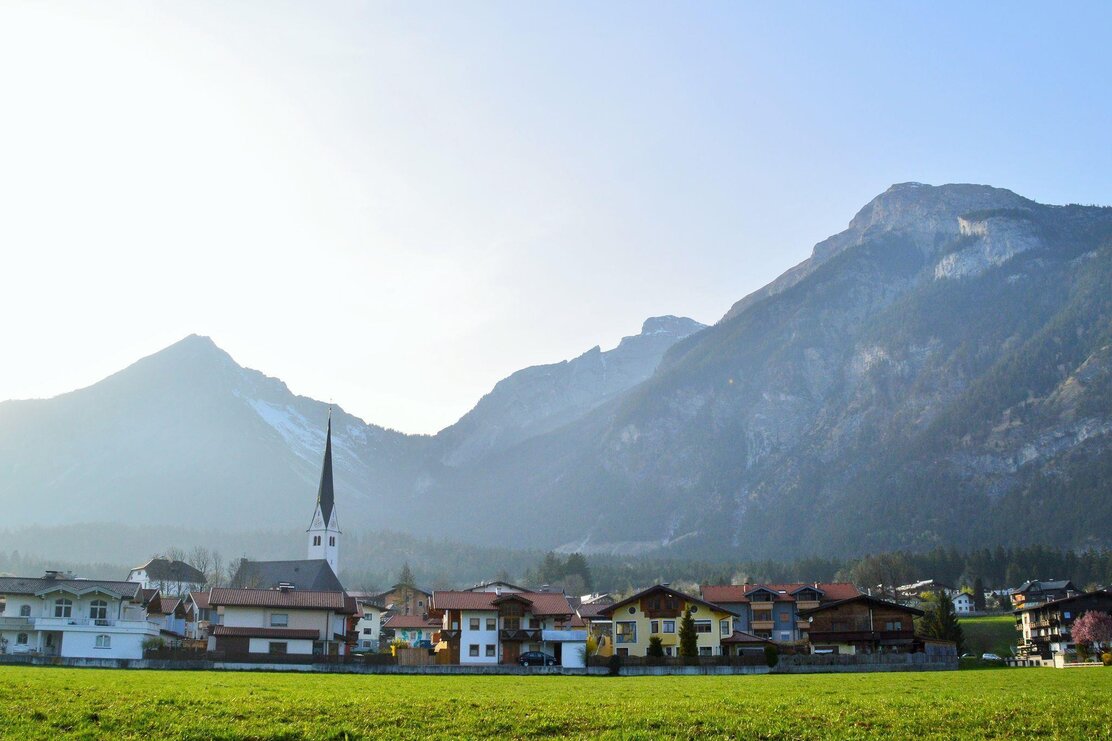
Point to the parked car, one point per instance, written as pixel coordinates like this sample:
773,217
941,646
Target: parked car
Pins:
969,656
991,657
536,658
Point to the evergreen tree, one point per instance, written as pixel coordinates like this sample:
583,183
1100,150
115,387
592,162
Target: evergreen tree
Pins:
941,622
656,647
689,639
979,594
577,564
406,576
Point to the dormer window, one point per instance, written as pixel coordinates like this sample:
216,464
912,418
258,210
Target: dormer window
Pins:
25,611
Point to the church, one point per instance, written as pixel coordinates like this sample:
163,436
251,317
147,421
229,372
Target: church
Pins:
319,572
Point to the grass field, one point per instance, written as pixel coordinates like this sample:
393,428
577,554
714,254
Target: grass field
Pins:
995,633
41,702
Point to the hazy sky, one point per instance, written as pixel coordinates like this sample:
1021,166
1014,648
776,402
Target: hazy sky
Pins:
396,204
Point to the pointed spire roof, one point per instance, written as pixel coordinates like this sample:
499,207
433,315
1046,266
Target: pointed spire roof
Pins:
326,498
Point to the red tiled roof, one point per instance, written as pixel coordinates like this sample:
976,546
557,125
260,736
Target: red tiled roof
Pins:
224,630
539,603
609,610
201,599
335,601
735,593
409,621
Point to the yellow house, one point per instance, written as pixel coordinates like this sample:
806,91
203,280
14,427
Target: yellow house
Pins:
657,611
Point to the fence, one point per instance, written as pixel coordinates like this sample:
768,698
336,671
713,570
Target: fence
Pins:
677,661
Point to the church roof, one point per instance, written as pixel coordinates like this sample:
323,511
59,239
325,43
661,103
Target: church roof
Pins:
308,575
326,497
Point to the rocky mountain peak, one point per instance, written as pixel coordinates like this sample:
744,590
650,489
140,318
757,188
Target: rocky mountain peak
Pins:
680,326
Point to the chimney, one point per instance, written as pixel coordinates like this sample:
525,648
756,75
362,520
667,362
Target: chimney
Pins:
50,574
285,587
544,587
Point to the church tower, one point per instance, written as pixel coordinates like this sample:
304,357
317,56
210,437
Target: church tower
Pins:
324,529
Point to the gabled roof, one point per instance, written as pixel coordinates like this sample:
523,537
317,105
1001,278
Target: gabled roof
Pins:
1099,594
200,599
609,610
1044,586
40,586
738,593
409,621
486,586
590,610
740,636
167,570
862,598
294,598
313,575
538,603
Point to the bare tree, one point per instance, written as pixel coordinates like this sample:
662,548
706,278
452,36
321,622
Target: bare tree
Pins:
215,575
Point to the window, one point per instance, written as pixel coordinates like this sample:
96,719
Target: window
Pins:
21,639
278,648
473,649
98,609
623,652
534,624
669,626
492,623
654,626
668,650
63,608
702,626
331,540
511,623
473,624
368,631
279,620
723,628
894,625
420,603
785,635
104,641
694,608
632,610
490,649
316,540
625,632
704,651
784,617
25,611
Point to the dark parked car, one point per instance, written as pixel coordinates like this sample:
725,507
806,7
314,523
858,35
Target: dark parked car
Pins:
536,658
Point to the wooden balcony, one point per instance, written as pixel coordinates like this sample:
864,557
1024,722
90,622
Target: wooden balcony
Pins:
807,604
762,625
522,634
859,636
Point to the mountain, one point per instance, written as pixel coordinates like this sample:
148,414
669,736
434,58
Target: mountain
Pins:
186,436
545,397
939,373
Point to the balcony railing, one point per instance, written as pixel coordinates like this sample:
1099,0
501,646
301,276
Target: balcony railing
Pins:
519,635
65,622
16,623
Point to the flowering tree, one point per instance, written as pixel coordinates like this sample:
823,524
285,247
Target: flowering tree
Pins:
1094,628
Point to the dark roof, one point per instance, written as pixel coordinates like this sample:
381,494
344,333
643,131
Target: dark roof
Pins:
1045,586
313,575
591,610
1100,593
484,586
409,621
163,569
293,598
33,585
224,630
610,609
201,599
867,599
539,603
326,497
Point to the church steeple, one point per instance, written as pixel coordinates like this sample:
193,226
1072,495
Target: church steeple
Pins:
324,529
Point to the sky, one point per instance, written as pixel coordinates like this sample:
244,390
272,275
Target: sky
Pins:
395,205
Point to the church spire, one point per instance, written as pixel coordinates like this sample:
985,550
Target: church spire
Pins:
326,497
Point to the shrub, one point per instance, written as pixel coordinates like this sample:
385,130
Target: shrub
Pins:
396,644
656,647
614,665
1106,658
772,655
153,644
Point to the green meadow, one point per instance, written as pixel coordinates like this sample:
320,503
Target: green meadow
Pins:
42,702
994,633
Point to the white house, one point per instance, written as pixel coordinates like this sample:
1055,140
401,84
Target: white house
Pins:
369,626
280,621
963,603
73,618
167,576
413,629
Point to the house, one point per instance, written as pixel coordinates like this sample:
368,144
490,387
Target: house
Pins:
168,576
1035,591
918,591
1044,627
413,629
199,616
405,599
861,624
369,626
741,643
657,611
282,621
496,627
169,613
598,626
963,603
74,618
771,611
